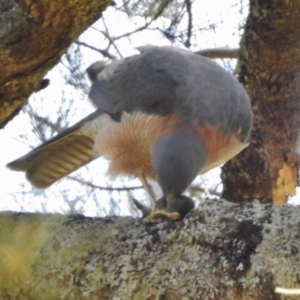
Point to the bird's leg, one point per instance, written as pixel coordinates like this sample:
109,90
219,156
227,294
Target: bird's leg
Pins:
155,206
145,210
148,189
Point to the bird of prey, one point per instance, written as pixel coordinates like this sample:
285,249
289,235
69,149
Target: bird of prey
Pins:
165,114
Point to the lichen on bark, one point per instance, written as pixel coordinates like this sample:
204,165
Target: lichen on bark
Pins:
220,251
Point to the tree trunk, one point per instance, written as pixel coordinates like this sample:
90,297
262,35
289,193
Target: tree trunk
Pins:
33,36
220,251
269,67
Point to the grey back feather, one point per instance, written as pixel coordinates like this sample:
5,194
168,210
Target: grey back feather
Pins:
162,80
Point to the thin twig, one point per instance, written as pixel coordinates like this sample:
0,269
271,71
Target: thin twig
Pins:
159,12
134,31
105,53
111,40
220,53
87,183
204,190
188,4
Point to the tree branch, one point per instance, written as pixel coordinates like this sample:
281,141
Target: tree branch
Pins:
220,251
33,38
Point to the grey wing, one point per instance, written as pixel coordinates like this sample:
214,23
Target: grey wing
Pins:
163,79
61,155
146,82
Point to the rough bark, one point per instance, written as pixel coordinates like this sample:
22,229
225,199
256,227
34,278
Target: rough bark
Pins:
269,67
220,251
33,36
